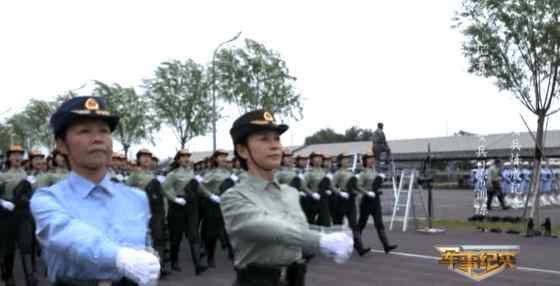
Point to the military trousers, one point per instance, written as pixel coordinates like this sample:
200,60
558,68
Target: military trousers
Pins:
346,208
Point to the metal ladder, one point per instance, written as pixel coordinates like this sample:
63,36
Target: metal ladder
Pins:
410,178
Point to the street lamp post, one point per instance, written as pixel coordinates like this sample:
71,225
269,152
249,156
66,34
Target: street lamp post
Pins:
214,116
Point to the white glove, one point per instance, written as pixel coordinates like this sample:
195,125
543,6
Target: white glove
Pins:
215,198
31,179
382,175
301,176
7,205
199,178
139,266
329,192
344,194
302,194
120,177
330,176
234,177
160,179
180,201
371,194
338,245
315,196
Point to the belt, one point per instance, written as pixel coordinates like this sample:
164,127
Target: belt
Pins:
256,274
73,282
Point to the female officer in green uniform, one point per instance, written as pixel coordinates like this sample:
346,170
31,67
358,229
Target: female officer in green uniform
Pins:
183,210
212,220
57,173
145,179
264,221
370,205
346,182
16,222
318,202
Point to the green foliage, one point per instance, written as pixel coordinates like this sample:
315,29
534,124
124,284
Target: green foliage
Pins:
516,43
31,126
254,77
328,135
179,94
137,120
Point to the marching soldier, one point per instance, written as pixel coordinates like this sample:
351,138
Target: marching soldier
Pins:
264,221
58,171
370,204
321,188
348,190
181,187
15,219
212,221
287,172
145,180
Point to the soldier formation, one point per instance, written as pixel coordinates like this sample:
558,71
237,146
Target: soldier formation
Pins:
184,200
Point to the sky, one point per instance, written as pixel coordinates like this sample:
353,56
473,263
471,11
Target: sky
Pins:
356,62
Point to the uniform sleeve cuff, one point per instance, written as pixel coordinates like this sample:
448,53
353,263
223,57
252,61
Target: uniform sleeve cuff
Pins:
108,255
311,240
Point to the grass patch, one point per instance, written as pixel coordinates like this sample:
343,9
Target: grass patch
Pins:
473,226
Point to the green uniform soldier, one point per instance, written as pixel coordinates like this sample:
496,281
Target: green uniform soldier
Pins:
287,171
266,225
346,200
212,221
182,189
145,179
57,173
318,202
15,218
370,203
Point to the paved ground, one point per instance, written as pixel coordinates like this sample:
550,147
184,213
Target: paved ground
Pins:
415,262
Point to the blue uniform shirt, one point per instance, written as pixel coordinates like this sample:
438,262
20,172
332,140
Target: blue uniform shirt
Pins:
81,225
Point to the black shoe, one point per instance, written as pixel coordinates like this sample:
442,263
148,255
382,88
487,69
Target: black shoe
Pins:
211,263
200,269
176,267
364,251
389,248
10,282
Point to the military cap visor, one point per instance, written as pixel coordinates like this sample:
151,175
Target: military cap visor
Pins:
254,122
82,107
15,148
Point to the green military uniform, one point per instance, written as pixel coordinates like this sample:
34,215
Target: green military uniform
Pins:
371,206
183,219
285,175
346,206
144,180
257,211
16,227
50,178
318,211
212,220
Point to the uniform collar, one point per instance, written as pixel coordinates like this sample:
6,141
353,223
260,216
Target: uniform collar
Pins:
261,184
84,186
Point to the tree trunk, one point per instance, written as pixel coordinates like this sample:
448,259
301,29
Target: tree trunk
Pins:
535,183
183,142
126,147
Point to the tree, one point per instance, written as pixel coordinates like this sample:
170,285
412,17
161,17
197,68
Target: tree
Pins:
137,120
355,133
516,43
254,77
30,127
179,94
324,136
